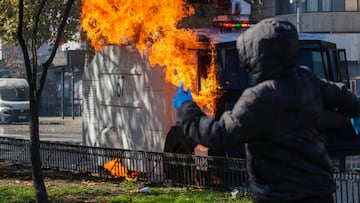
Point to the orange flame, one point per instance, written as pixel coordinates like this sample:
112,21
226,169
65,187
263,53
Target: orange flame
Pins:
153,26
117,170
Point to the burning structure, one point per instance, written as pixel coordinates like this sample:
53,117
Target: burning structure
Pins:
142,57
130,83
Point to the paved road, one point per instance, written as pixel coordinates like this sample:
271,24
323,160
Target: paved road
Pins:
51,129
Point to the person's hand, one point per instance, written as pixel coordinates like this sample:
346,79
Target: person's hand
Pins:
355,122
182,96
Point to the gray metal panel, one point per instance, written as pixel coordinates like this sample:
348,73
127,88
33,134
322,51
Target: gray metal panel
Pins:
90,103
121,90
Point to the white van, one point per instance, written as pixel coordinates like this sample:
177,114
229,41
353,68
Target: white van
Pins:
14,100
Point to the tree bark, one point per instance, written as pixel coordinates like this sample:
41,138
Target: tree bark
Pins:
35,156
41,195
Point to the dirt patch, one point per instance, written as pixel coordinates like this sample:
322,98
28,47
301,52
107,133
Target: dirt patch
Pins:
23,173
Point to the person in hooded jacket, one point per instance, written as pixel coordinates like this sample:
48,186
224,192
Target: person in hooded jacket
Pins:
276,118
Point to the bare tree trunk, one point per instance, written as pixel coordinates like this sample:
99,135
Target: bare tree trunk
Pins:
41,195
37,176
38,180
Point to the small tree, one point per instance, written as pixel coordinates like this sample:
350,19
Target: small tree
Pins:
29,49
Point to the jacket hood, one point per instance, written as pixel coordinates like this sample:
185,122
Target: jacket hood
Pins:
269,49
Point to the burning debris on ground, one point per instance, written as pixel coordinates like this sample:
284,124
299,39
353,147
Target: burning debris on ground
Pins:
118,170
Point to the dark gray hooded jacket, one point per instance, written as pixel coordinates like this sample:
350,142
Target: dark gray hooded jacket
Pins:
276,118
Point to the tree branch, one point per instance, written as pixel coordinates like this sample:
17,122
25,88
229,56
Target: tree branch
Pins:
34,42
60,31
21,40
37,16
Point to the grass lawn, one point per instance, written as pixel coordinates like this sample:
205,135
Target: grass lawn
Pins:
16,186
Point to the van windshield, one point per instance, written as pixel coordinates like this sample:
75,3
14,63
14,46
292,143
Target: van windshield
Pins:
14,94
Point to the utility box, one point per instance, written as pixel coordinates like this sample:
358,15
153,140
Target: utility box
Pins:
127,103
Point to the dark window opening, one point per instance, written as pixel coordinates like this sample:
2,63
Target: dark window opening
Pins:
14,94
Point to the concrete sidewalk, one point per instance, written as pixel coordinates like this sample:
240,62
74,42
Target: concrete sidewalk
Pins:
66,130
66,125
67,120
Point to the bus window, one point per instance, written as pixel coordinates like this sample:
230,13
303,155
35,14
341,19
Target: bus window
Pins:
321,67
333,67
343,68
235,75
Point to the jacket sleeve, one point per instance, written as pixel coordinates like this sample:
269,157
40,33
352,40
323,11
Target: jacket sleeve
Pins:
336,97
233,128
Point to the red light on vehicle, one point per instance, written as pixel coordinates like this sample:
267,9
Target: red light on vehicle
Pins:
228,25
220,24
245,25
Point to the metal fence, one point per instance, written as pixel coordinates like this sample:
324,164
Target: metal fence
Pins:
164,168
177,169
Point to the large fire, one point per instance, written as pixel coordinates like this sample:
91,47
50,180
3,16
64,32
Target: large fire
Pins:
153,26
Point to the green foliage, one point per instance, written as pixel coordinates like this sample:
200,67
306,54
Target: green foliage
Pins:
128,186
179,195
121,192
16,194
50,18
76,191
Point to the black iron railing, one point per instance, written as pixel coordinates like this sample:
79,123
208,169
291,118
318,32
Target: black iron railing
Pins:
177,169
